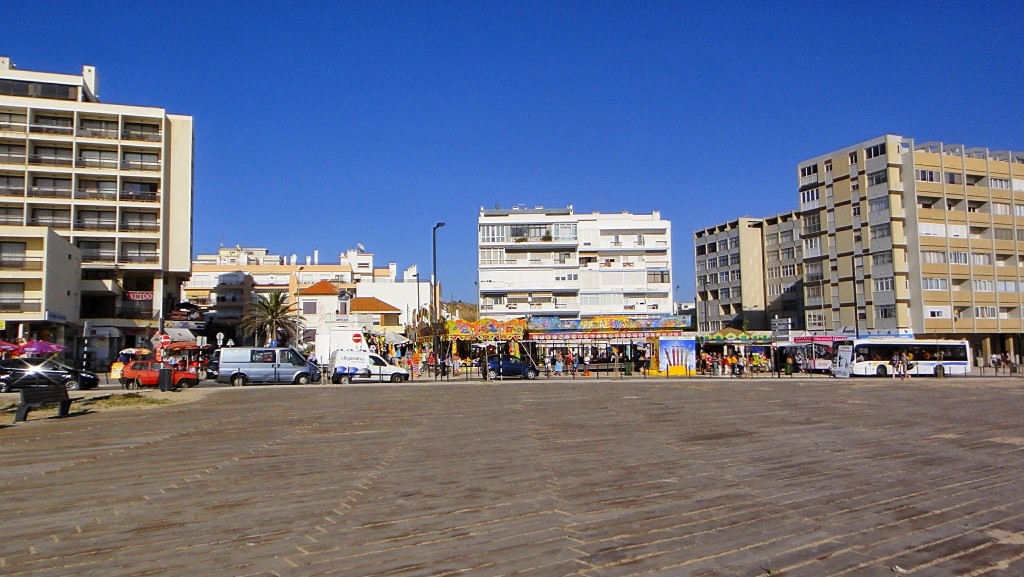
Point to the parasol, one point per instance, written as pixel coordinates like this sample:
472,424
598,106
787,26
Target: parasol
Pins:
40,348
8,347
136,351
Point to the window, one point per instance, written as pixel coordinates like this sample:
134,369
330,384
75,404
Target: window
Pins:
982,285
878,204
1018,210
723,261
934,284
773,272
883,284
786,236
807,196
999,183
774,290
855,209
933,257
492,256
734,275
957,257
734,242
931,229
787,253
1002,208
985,312
309,307
723,293
813,243
814,272
723,245
492,233
712,263
927,175
981,258
789,270
879,177
808,170
812,223
874,151
658,276
885,311
772,255
881,230
701,265
734,258
954,178
828,166
1006,286
853,158
723,277
772,238
880,258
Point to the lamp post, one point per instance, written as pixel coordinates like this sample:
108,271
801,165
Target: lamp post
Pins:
434,301
418,309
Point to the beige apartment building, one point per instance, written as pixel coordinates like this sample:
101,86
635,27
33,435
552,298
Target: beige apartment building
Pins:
115,181
915,238
748,272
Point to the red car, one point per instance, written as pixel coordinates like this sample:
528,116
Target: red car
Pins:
146,374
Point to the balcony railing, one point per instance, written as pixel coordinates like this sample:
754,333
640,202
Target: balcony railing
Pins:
13,157
20,262
96,194
98,256
13,126
50,160
8,190
51,129
98,132
140,196
139,257
141,135
96,225
149,165
10,305
90,162
140,226
16,219
49,192
50,222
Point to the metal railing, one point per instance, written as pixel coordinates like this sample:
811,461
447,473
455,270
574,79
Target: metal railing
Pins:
49,192
140,226
90,162
51,128
139,196
20,262
50,222
98,256
49,160
141,135
148,165
9,305
7,190
96,225
96,194
139,257
98,132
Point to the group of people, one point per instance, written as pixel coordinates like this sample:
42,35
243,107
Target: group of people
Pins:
732,364
901,364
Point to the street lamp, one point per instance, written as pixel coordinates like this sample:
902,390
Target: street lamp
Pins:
435,302
418,308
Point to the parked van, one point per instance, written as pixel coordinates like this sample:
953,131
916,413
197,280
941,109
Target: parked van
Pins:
364,366
243,365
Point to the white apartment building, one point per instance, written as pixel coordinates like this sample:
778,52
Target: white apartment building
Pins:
558,263
115,180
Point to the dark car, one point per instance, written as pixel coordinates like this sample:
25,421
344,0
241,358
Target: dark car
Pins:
30,372
501,366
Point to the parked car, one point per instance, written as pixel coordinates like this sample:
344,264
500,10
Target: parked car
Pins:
147,374
501,366
30,372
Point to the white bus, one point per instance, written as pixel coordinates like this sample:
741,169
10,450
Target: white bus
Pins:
872,356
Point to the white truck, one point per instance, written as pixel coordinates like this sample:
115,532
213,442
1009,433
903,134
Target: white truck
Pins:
364,366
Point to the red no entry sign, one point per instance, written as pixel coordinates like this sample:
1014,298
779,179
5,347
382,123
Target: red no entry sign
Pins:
165,339
357,337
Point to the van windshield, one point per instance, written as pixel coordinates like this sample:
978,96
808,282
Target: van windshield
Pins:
292,357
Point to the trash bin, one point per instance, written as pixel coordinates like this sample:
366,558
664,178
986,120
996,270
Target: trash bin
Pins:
165,378
627,368
789,369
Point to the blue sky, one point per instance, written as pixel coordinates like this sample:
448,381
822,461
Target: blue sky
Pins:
320,125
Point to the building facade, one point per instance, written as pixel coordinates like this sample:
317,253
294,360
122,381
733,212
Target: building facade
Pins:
115,181
557,263
915,238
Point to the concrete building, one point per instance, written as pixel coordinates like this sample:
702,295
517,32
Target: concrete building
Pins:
921,238
225,284
557,263
115,181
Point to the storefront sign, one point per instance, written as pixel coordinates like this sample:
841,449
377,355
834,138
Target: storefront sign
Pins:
604,335
138,296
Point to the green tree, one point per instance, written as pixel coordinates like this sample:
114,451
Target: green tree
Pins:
271,315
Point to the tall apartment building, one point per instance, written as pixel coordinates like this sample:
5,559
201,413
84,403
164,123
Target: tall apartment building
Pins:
921,238
115,181
557,263
749,271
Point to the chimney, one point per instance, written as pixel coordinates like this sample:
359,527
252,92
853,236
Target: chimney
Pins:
316,256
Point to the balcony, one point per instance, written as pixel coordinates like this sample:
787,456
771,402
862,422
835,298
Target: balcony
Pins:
90,162
140,135
8,190
15,219
139,257
49,160
12,157
98,256
95,194
20,262
110,133
61,223
11,305
13,126
49,192
51,129
128,196
140,227
96,225
145,165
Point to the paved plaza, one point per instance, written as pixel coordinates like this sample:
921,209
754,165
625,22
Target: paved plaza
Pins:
597,478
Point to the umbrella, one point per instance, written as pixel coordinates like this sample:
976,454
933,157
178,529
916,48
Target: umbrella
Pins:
136,351
40,348
7,347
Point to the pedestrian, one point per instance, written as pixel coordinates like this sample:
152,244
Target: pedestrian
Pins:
904,365
894,362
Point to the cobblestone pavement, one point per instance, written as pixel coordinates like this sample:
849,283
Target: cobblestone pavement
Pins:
729,477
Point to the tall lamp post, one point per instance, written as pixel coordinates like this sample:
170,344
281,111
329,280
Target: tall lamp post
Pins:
435,303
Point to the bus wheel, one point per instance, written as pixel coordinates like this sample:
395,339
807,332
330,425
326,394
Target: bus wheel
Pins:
880,371
940,371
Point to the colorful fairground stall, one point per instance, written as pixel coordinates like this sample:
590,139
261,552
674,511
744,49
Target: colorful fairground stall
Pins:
660,345
755,347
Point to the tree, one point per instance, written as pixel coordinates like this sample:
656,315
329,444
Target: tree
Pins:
272,314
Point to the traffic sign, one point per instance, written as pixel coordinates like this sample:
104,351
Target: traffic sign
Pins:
165,339
357,337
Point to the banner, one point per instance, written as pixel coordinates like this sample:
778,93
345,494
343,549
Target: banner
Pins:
486,329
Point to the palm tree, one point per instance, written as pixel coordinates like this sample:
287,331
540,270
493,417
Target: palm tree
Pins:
272,314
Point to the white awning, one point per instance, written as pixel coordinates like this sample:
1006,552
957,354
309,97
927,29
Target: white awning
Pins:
180,334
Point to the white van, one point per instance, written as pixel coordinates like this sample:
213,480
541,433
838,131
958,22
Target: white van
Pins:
243,365
364,366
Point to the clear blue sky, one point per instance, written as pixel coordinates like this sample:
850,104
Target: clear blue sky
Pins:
322,125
